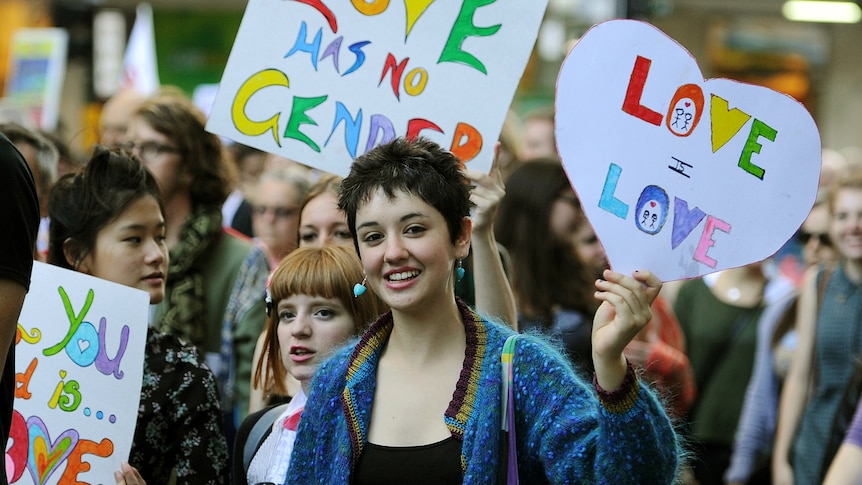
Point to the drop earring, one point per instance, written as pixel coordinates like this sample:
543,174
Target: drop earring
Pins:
359,288
459,271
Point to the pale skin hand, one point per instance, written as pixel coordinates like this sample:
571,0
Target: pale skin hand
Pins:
488,191
624,311
128,475
494,295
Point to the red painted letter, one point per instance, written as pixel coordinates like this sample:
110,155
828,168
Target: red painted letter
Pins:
397,71
416,125
632,104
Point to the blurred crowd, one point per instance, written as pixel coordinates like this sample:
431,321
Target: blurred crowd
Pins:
752,364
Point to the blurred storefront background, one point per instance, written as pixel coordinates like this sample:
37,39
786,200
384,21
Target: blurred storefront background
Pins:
748,40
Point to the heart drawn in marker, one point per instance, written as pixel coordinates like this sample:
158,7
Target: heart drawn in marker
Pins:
734,172
46,456
16,452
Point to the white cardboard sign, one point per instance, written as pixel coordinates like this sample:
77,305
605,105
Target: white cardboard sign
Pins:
323,81
79,364
680,175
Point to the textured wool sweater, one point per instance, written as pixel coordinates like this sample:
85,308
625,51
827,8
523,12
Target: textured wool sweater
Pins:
565,433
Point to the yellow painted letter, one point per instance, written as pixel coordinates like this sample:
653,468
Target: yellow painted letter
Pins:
263,79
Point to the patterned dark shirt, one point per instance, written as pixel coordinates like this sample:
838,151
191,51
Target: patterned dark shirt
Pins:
180,422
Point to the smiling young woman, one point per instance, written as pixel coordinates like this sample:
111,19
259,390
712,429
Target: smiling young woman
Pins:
828,324
404,404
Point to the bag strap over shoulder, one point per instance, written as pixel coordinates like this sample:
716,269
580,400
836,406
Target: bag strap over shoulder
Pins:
509,459
258,432
506,359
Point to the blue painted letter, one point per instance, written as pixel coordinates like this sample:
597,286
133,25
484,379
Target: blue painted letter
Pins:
684,221
608,201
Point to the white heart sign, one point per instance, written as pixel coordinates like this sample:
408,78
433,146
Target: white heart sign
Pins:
680,175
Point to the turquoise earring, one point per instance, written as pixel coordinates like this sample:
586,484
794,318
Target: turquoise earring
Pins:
359,288
459,271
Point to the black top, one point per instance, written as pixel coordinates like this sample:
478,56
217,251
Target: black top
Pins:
180,423
19,213
437,463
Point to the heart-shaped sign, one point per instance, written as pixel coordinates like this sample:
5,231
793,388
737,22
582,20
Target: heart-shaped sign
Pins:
46,456
680,175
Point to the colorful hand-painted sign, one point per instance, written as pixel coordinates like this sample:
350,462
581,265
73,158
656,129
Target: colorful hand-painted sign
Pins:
37,67
323,81
680,175
79,360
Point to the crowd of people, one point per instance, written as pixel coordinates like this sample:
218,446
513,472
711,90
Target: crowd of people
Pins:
309,328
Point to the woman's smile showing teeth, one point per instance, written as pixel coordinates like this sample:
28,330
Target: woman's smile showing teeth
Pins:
403,275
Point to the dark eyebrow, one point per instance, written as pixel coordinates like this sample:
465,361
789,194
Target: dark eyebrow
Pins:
142,227
404,218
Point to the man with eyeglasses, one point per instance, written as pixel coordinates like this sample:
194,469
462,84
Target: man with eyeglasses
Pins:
216,277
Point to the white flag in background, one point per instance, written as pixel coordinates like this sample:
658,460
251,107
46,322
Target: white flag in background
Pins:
140,71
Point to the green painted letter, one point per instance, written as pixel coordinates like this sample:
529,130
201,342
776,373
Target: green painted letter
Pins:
464,28
298,117
758,129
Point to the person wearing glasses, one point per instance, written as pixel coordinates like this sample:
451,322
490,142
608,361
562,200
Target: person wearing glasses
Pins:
276,202
216,277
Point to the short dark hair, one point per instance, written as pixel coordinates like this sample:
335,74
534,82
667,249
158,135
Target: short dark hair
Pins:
83,203
416,166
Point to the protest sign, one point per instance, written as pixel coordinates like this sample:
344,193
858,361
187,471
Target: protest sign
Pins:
37,65
79,363
677,174
321,82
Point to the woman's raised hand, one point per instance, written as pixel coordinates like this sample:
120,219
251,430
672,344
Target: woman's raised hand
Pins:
488,190
624,311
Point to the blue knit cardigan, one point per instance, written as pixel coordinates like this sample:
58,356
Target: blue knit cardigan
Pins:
565,433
